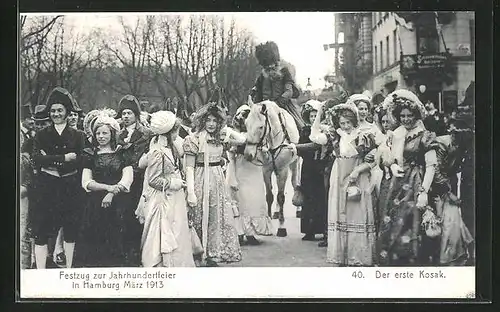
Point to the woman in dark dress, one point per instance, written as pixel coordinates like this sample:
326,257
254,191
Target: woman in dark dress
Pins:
312,218
106,177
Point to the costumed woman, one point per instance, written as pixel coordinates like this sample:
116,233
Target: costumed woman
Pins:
313,215
412,166
166,240
455,237
381,175
327,156
207,191
106,177
351,229
57,151
246,179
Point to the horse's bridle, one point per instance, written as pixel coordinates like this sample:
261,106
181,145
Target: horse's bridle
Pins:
267,126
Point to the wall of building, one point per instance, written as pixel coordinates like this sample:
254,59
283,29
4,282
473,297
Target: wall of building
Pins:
457,37
457,34
385,25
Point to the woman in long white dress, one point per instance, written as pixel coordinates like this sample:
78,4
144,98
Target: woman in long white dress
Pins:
351,228
166,239
246,179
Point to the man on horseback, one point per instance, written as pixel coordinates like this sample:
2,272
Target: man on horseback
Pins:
275,83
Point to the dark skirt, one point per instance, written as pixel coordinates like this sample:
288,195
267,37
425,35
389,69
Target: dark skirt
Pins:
104,232
314,209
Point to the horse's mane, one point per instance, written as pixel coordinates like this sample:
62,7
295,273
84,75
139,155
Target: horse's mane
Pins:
287,118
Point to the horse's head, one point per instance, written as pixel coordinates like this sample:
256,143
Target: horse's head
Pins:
258,125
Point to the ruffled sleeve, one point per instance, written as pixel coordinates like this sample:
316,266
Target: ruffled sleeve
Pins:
191,145
365,143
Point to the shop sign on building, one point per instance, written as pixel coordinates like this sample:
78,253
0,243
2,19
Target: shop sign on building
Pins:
411,64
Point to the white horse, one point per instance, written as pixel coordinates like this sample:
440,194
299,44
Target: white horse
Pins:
272,129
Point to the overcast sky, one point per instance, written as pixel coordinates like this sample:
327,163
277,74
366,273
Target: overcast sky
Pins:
300,37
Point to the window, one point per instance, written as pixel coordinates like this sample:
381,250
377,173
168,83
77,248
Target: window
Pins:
395,45
388,52
375,68
427,39
381,55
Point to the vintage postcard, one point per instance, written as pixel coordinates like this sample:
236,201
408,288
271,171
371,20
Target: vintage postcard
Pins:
216,155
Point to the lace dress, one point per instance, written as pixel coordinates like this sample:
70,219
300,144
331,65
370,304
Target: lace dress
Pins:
351,229
222,243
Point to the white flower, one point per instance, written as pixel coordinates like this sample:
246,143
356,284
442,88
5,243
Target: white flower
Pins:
387,219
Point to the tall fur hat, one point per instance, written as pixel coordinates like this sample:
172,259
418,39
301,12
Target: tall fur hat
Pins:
129,102
267,53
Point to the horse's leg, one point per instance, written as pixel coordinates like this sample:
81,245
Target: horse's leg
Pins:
267,173
295,170
281,177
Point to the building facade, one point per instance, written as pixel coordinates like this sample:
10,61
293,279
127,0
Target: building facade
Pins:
354,63
424,52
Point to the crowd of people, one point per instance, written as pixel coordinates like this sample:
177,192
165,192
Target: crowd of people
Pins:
127,188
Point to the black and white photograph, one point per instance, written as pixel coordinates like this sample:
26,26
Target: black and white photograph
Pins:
157,146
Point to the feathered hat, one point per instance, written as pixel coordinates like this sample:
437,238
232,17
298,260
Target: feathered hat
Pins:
129,102
267,54
209,109
404,99
106,117
218,96
99,115
62,96
88,121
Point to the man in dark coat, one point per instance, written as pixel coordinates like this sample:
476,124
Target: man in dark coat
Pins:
275,83
57,151
135,138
